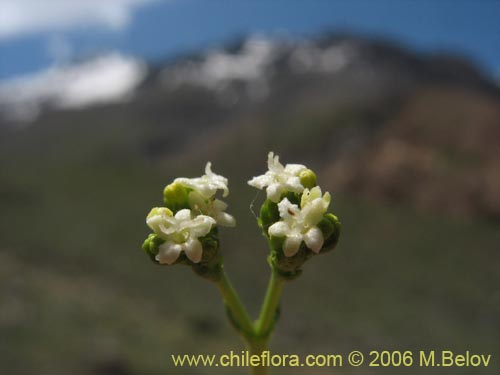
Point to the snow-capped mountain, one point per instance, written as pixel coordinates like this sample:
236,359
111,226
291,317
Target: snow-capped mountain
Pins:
251,69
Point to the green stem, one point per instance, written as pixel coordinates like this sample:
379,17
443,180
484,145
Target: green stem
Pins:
270,306
256,346
255,335
233,303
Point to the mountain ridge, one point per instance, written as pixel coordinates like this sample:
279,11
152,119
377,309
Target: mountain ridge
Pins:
382,122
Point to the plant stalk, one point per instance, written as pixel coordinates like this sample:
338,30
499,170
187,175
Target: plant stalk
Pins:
234,304
256,335
269,311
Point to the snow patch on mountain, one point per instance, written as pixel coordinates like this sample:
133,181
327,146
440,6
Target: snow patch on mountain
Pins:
106,79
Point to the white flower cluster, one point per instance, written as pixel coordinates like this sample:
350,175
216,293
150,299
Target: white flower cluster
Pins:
202,197
297,224
279,179
182,231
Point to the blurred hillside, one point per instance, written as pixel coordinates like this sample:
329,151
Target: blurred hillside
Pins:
382,122
406,143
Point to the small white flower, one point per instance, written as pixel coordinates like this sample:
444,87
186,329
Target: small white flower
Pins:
180,232
208,184
202,197
279,179
212,207
300,224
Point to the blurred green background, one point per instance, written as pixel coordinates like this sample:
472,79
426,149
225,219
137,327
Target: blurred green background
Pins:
406,142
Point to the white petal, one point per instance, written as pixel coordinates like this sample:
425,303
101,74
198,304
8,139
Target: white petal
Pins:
293,184
291,245
208,169
193,250
260,182
157,216
309,195
273,192
313,212
279,179
200,225
166,228
226,220
154,222
279,229
160,220
273,163
215,181
327,199
294,169
314,239
207,185
288,211
219,205
183,215
168,253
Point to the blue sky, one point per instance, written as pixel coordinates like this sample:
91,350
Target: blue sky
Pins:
35,34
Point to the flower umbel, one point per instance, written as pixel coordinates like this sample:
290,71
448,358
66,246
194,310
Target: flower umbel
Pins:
180,232
279,179
300,224
293,218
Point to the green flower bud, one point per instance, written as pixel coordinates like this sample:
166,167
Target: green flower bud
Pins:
151,246
308,179
331,227
175,196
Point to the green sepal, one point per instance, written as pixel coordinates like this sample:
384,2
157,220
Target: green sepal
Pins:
151,246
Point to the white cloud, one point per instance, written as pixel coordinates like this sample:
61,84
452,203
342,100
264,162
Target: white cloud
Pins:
110,78
22,17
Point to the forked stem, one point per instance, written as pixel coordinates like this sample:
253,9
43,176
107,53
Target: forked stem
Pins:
256,335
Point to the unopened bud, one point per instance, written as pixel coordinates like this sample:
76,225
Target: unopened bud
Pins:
308,178
151,246
330,226
175,196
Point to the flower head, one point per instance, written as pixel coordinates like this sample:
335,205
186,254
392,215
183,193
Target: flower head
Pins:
300,224
280,179
208,184
200,195
180,232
